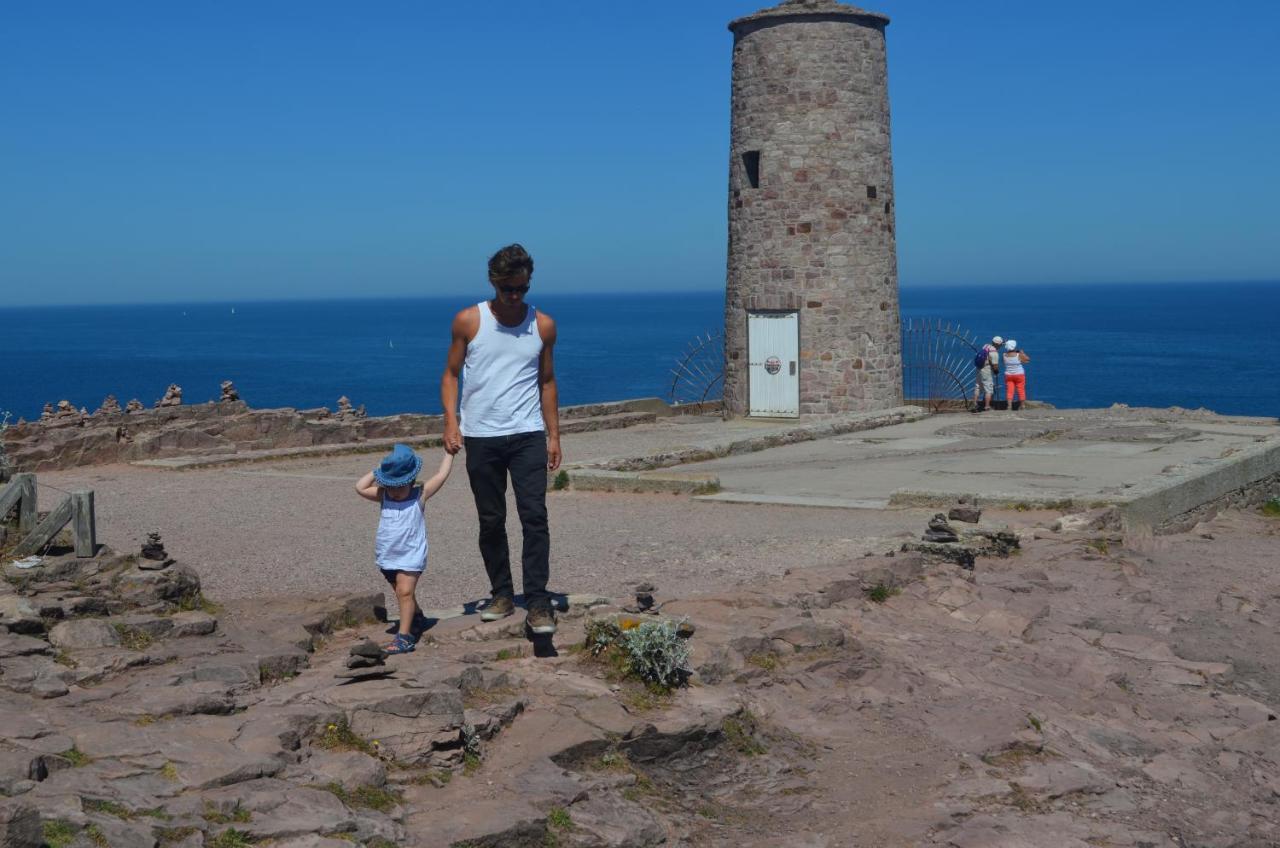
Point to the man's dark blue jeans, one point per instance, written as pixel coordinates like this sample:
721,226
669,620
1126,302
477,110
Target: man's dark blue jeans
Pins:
524,457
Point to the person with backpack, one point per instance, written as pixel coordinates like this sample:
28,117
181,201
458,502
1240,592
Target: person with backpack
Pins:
987,363
1015,376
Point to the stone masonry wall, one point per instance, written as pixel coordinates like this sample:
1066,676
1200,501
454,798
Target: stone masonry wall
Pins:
810,94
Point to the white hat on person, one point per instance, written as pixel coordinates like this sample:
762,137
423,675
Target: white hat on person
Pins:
997,341
1011,345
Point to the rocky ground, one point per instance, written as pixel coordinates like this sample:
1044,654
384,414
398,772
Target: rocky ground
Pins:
1075,692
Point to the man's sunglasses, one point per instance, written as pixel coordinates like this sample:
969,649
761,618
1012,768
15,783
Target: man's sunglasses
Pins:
514,289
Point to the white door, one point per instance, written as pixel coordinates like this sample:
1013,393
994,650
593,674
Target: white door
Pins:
773,363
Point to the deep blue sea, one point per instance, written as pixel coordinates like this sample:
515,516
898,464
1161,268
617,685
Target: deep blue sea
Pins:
1211,345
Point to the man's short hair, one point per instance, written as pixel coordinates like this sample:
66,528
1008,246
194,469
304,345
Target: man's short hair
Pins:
509,262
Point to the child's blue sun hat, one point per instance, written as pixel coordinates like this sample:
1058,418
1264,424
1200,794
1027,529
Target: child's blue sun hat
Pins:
399,467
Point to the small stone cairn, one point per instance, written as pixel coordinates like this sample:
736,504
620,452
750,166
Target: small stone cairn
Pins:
347,411
110,406
154,557
134,405
229,392
941,541
172,396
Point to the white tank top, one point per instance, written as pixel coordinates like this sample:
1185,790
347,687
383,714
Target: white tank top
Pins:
1012,364
500,394
401,543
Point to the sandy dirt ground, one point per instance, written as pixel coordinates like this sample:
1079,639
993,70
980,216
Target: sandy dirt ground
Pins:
297,527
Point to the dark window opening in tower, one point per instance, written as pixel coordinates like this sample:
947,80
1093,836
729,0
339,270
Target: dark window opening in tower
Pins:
751,162
871,192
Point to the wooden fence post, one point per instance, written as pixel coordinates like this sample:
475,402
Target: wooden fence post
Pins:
83,526
45,530
21,490
27,506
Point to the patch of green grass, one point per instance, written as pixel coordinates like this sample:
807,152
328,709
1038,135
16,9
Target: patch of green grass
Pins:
880,593
431,778
764,660
643,697
63,658
59,833
643,788
558,819
561,481
169,771
1102,546
96,836
230,838
133,638
174,835
102,805
1035,723
76,757
740,732
710,487
366,797
195,600
213,815
1271,508
484,697
601,633
338,736
508,654
470,763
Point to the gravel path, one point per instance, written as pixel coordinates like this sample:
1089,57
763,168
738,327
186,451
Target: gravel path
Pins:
298,527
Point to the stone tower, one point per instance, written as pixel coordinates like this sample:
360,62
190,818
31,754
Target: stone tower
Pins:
811,308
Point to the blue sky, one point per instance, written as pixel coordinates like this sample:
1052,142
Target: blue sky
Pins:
160,151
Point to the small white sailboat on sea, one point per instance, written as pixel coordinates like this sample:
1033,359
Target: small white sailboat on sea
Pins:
233,310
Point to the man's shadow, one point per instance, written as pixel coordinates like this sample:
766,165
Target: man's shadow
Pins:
543,643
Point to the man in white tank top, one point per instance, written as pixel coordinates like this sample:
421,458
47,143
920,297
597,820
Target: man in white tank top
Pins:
508,420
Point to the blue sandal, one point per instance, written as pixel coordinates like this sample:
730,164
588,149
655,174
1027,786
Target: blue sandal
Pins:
402,644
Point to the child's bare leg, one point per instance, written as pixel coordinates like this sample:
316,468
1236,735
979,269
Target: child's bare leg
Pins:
406,587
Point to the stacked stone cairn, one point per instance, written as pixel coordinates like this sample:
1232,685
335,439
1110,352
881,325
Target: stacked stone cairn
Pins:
110,406
153,556
941,541
229,392
172,396
346,410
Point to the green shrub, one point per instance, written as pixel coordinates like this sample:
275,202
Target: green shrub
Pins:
656,653
1272,507
602,633
880,593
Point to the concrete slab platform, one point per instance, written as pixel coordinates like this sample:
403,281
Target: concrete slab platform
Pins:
1163,468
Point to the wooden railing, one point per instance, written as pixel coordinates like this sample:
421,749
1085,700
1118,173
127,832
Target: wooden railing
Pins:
33,534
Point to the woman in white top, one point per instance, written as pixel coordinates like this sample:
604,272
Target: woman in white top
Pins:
1015,376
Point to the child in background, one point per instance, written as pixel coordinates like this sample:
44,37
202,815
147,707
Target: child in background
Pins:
400,548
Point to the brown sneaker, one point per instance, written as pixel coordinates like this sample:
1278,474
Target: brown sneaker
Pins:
541,620
497,608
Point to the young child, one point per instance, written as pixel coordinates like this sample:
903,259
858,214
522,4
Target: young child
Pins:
400,549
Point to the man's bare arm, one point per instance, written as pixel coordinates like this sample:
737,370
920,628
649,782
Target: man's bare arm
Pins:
547,388
465,326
